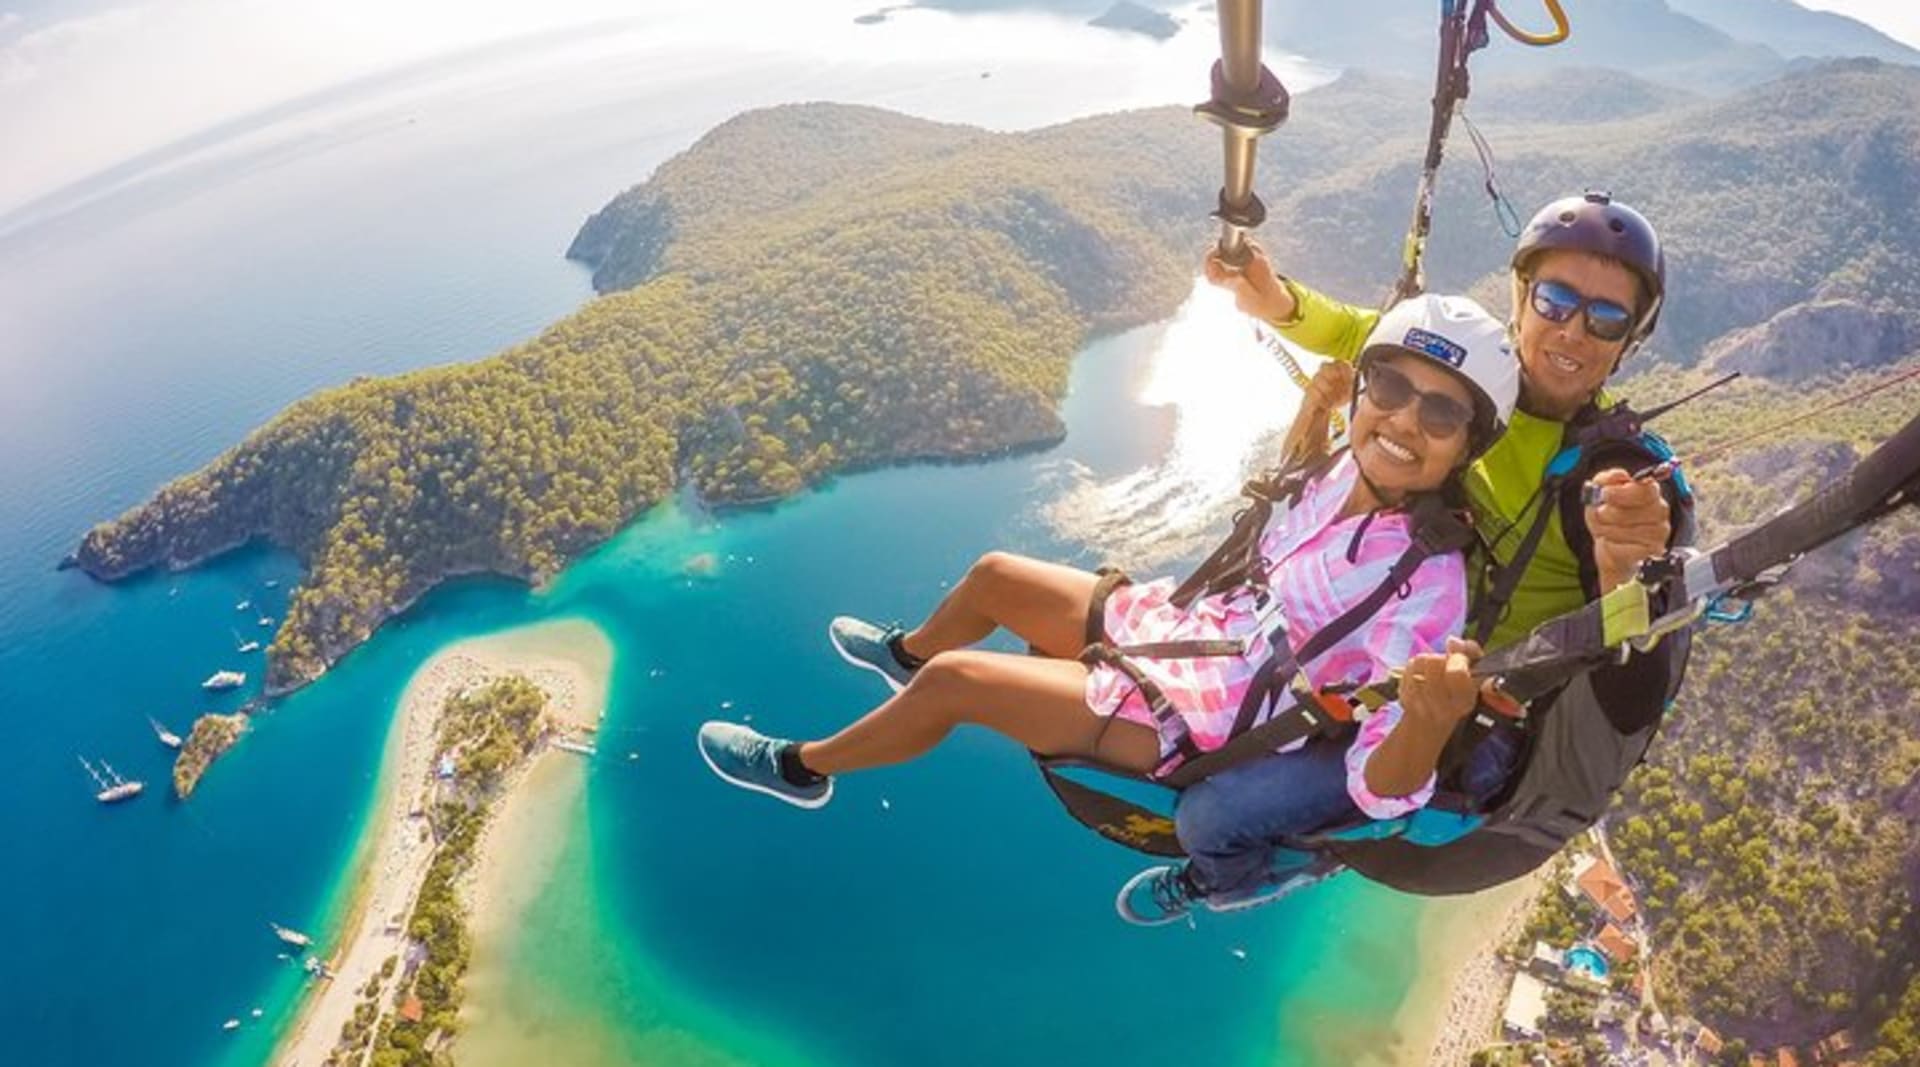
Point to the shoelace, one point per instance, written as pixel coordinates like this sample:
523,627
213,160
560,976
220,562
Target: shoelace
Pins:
1169,894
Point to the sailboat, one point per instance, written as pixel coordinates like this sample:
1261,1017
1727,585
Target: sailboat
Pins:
244,646
167,737
113,788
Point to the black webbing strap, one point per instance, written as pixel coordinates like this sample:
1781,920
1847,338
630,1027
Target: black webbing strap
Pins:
1493,603
1435,530
1230,563
1886,478
1165,716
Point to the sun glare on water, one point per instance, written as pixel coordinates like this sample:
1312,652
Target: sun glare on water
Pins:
1230,400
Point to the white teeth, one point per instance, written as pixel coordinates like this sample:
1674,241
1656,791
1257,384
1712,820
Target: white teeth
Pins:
1394,450
1563,362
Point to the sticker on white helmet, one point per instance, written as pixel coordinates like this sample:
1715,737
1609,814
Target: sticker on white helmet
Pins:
1438,347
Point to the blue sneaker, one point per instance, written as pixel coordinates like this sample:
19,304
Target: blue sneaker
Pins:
1156,896
751,760
863,644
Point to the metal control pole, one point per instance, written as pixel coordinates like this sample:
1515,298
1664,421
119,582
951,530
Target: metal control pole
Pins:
1248,101
1240,71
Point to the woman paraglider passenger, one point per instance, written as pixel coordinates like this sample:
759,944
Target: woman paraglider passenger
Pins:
1437,388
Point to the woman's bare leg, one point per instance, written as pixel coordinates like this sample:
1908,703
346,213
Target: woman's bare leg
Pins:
1044,604
1038,702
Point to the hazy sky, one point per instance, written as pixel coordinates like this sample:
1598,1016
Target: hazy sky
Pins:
87,83
1898,19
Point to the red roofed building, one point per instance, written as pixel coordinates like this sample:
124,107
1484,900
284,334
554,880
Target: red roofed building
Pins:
1616,944
412,1010
1708,1042
1786,1057
1604,886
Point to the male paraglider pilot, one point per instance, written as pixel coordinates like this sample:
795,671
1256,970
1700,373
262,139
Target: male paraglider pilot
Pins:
1588,281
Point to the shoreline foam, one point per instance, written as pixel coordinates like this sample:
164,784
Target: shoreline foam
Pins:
571,662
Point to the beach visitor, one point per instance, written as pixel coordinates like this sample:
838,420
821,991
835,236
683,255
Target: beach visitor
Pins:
1588,280
1437,384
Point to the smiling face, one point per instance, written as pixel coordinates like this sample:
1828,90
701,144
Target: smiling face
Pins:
1562,365
1397,455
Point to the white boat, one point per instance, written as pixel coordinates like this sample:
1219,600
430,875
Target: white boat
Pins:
113,788
167,737
291,936
256,1013
273,583
230,1024
266,620
243,605
219,680
568,744
247,646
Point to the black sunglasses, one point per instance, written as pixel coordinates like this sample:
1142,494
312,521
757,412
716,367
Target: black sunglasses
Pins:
1560,302
1441,416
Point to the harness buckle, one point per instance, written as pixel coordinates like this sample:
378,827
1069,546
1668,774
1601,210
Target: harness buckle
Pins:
1736,604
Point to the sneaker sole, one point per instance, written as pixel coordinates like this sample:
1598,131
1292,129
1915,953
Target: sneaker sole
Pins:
798,802
834,640
1273,895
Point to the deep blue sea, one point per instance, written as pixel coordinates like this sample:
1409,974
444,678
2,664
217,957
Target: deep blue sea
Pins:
421,222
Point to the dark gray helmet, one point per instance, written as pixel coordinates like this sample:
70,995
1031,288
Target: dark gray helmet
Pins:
1594,223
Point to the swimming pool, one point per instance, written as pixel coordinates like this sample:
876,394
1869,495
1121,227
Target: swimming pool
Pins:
1587,960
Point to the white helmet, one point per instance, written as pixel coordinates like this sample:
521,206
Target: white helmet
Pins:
1461,336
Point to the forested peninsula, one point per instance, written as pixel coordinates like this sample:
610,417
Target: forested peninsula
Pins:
816,288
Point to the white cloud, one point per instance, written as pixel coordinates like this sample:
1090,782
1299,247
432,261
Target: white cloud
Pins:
87,92
24,58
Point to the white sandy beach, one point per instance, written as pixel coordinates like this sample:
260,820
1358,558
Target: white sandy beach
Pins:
1454,1007
571,662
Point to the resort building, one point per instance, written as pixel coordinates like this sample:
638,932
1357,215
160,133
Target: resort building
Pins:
1616,944
1526,1007
1604,886
1708,1042
1545,962
412,1010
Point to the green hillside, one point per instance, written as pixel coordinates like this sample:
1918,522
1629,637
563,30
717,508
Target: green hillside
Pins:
1772,832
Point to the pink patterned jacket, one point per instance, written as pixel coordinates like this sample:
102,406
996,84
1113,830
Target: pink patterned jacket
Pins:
1311,581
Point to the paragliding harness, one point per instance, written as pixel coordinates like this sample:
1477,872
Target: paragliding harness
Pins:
1280,705
1572,759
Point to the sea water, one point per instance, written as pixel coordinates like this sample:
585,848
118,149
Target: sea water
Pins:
149,321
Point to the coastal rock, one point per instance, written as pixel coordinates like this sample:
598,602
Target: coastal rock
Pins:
1133,18
211,736
1816,338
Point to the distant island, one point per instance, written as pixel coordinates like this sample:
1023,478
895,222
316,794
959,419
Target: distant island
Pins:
816,289
1133,18
211,736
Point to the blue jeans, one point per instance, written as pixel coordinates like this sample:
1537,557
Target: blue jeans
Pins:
1231,823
